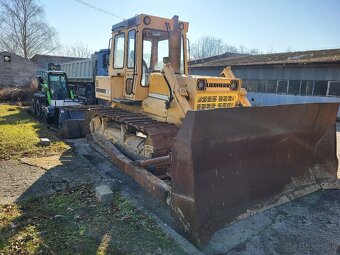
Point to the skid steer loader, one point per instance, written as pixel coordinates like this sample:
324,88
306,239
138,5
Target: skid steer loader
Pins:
195,141
56,103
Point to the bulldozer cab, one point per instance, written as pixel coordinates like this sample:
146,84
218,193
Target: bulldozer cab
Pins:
140,46
148,72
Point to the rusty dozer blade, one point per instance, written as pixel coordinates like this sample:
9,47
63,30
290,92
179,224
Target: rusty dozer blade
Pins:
228,164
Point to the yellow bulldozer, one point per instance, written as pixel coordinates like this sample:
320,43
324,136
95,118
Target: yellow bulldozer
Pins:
195,141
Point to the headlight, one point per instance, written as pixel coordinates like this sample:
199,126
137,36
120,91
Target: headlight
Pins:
201,84
147,20
233,85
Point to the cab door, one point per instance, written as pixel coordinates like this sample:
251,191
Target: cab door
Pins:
117,74
125,75
130,65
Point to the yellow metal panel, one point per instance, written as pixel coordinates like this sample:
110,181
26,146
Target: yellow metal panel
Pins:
159,23
103,88
158,84
117,85
155,107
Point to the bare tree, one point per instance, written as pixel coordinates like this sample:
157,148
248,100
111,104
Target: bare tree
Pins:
254,51
23,29
290,49
207,46
230,48
242,49
79,50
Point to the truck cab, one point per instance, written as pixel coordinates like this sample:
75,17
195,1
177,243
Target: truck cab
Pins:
102,65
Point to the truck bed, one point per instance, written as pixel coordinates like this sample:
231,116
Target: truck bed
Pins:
80,70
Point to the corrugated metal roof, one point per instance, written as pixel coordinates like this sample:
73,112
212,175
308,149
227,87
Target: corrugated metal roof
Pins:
299,57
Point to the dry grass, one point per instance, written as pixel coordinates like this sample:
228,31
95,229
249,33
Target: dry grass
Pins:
20,133
22,94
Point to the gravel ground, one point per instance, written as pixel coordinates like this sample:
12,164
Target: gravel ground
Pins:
20,180
16,178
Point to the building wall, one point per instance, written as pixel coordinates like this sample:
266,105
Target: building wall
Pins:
259,99
272,72
326,72
210,71
18,72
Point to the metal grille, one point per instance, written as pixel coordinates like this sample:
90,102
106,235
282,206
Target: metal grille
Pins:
214,101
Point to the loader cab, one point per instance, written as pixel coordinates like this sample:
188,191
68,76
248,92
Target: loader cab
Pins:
139,47
55,86
58,86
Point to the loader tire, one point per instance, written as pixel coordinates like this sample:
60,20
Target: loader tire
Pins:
38,109
33,106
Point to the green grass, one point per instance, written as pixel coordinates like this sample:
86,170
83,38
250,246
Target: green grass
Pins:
20,133
74,223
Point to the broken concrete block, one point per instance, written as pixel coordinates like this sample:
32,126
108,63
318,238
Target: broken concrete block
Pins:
113,184
45,142
103,194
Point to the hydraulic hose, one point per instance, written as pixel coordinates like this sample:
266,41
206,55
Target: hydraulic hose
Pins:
171,98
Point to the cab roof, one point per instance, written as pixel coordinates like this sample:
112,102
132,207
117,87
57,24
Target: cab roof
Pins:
135,21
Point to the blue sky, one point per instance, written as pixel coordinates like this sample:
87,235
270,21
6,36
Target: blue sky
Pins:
268,25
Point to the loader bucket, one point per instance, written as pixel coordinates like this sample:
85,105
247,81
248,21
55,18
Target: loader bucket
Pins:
228,164
71,121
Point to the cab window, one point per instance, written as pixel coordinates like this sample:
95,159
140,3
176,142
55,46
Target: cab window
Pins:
155,48
131,49
58,86
118,52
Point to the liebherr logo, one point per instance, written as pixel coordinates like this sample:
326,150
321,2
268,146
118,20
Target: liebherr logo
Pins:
104,91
